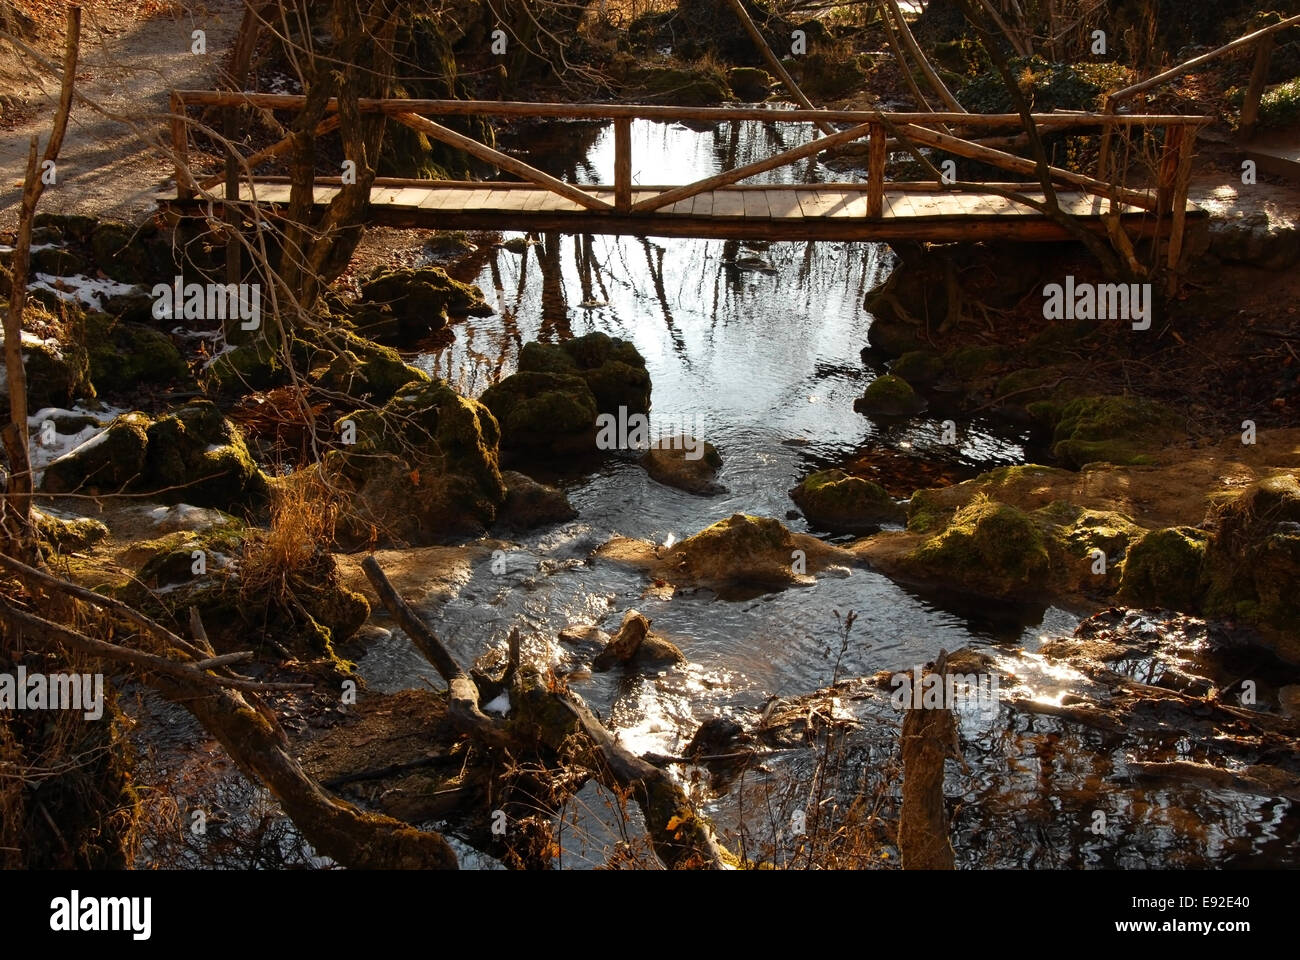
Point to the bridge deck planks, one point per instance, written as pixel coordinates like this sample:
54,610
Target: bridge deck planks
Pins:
813,211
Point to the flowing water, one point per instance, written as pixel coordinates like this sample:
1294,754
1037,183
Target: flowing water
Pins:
756,351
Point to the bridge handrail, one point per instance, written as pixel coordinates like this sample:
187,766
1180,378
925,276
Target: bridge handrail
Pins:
875,126
648,111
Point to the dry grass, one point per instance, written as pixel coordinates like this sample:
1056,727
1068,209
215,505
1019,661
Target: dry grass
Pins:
304,512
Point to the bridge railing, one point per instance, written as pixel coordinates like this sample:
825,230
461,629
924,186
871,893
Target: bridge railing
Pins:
882,131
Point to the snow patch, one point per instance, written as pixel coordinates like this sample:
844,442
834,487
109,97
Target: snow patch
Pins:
87,291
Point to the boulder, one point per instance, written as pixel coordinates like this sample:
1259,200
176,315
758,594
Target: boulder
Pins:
124,355
423,469
198,456
244,597
634,643
685,463
400,304
889,396
1252,562
106,462
614,370
750,83
530,504
745,553
842,503
360,368
544,411
68,534
1120,430
988,549
1164,569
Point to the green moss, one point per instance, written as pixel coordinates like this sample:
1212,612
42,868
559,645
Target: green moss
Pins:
364,370
68,535
750,83
614,370
252,366
423,468
988,548
543,410
1163,569
918,366
969,363
58,374
889,396
1252,562
1027,386
106,463
195,455
124,355
697,85
1120,430
837,501
1072,534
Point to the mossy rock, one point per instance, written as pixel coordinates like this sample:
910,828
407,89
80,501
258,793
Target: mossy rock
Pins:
424,468
67,535
107,462
1119,430
418,301
58,374
126,253
988,548
58,261
889,396
744,551
195,455
970,363
614,369
305,611
249,367
1252,562
72,227
685,462
922,367
699,85
750,83
828,76
1027,386
365,370
544,410
1164,569
530,504
123,355
1073,534
842,503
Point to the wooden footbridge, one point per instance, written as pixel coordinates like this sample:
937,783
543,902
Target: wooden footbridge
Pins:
720,206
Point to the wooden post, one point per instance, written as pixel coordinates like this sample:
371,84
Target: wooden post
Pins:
623,164
1169,161
1177,227
877,152
1258,80
180,146
230,121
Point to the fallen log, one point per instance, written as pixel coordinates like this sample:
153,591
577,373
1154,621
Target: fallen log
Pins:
544,712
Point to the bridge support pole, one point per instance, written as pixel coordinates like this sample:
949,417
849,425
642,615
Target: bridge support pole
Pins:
180,146
623,164
877,153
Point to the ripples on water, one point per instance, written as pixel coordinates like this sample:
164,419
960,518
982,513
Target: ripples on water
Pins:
757,350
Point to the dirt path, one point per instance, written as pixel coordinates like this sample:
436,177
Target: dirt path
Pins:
127,67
